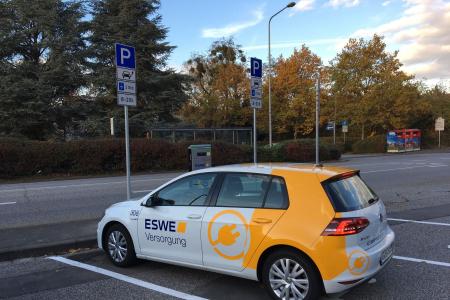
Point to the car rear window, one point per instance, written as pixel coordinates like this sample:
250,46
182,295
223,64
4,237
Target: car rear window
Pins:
349,193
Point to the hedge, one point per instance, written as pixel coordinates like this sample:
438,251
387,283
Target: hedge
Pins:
372,144
100,156
302,150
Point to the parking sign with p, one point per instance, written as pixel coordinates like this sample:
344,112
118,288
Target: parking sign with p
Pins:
125,56
256,67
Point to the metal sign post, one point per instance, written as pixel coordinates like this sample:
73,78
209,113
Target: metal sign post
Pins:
344,128
126,94
317,116
334,133
111,123
255,95
439,126
254,137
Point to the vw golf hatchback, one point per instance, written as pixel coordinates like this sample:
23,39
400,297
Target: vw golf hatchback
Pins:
301,230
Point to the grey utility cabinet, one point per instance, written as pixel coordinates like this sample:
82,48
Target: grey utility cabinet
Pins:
199,157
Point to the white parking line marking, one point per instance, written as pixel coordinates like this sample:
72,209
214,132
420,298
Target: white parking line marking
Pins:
431,165
388,170
431,262
420,222
436,165
128,279
7,203
82,185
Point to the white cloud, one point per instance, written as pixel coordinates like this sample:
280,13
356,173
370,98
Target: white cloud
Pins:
346,3
233,28
303,5
422,35
286,45
386,3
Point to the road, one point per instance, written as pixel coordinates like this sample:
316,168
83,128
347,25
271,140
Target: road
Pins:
403,182
414,187
38,203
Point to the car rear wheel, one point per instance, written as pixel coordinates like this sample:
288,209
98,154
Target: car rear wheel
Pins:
119,246
289,275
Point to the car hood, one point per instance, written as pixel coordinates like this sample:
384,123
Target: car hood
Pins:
128,203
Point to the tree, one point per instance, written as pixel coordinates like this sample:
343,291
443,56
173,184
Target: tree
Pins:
219,91
439,100
294,93
41,63
371,89
160,91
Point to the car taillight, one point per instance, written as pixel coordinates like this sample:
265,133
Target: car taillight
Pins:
345,226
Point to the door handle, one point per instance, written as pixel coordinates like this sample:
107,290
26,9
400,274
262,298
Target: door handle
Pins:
194,217
262,220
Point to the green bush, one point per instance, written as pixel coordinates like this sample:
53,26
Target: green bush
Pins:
372,144
224,154
99,156
430,139
302,150
28,158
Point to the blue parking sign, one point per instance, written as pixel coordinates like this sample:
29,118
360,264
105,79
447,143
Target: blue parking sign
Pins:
125,56
255,67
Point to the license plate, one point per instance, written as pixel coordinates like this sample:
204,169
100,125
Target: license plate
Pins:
386,254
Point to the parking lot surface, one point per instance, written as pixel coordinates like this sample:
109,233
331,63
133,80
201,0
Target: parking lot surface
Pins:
414,187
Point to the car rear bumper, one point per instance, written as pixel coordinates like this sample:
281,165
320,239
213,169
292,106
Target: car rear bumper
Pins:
350,278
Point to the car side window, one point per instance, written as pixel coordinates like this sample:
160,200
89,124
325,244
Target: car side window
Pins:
192,190
243,190
277,195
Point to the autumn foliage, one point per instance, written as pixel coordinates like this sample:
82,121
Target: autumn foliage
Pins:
364,84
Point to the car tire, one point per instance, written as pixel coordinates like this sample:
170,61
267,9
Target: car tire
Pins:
119,246
302,277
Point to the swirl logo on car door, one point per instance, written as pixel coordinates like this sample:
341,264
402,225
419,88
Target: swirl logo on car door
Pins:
228,234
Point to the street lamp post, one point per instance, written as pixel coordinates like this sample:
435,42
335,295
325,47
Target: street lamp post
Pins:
291,4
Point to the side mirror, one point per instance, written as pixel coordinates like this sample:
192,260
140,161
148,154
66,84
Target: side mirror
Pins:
154,200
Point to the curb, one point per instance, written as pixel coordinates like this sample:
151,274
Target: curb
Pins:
47,249
424,151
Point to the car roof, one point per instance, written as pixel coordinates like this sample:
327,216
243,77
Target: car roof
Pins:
324,172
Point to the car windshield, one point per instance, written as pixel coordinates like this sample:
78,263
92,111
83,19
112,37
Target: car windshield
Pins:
350,193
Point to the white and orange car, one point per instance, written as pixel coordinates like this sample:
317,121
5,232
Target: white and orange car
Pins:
302,230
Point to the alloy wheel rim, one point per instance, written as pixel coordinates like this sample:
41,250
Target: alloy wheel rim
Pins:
117,246
288,279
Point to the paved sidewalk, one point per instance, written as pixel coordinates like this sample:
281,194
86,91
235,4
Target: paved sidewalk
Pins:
47,239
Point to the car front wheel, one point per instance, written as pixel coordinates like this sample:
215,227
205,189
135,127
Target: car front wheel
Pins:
119,246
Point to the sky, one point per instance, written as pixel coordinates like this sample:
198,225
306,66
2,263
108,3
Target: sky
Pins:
418,29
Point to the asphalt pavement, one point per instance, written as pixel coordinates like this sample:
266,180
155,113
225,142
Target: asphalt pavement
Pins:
415,188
